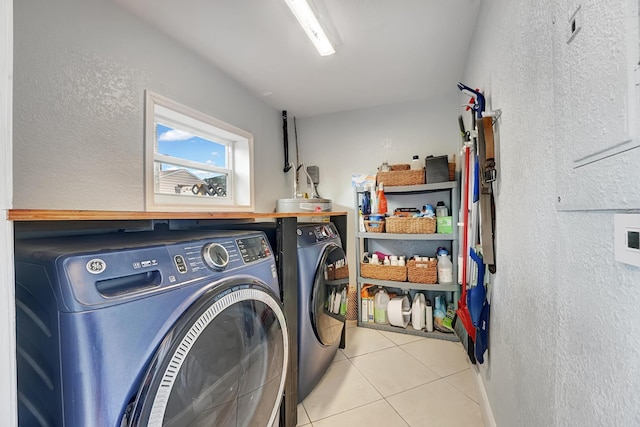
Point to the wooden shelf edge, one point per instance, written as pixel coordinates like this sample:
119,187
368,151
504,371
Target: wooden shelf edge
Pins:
90,215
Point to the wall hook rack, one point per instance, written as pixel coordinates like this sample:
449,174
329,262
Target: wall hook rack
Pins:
494,114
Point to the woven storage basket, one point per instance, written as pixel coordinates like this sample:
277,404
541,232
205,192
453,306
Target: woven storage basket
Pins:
374,226
384,272
403,167
452,169
401,177
341,273
411,225
422,271
352,303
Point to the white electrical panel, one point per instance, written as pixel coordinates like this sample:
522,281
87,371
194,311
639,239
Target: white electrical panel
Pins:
597,105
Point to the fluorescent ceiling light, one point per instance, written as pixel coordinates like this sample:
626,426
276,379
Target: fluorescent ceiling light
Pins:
311,26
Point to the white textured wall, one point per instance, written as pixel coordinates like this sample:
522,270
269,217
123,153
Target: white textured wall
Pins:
8,381
359,141
565,328
81,68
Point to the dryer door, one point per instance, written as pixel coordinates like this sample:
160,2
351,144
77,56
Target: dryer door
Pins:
224,363
328,309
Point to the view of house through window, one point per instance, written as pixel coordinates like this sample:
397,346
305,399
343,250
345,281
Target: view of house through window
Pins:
194,161
178,174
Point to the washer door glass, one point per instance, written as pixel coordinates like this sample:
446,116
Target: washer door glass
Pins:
223,364
329,297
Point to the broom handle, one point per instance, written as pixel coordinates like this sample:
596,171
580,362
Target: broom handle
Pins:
465,237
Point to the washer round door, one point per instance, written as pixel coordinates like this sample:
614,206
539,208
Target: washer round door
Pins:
223,363
326,298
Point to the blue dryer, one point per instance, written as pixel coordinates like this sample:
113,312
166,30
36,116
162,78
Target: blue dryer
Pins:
149,329
322,276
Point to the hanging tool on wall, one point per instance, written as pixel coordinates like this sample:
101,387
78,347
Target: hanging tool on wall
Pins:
473,295
463,325
485,151
285,135
487,202
479,306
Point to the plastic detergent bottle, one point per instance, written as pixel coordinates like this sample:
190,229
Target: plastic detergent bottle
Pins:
366,203
441,209
373,200
380,307
382,200
445,269
343,302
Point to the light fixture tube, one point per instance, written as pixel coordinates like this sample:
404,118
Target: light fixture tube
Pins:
311,26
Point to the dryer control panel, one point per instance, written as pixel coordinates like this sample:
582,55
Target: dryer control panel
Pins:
312,234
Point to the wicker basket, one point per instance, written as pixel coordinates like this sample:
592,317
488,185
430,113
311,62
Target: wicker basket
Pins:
401,177
337,273
341,273
374,226
411,225
352,303
422,271
452,169
384,272
403,167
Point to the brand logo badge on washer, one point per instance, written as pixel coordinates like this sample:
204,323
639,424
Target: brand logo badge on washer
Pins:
96,266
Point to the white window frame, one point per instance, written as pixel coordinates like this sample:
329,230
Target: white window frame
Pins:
239,152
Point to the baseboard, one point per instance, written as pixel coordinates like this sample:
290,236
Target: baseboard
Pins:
485,407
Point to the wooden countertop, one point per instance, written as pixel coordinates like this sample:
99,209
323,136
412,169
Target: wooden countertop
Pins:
89,215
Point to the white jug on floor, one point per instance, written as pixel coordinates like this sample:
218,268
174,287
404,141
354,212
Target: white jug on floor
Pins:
418,311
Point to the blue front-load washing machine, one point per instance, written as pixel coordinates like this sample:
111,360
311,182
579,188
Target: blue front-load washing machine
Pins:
323,280
149,329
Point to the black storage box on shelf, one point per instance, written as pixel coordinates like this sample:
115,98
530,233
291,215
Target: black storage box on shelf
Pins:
437,169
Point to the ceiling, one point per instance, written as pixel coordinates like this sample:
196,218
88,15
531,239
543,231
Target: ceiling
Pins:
388,51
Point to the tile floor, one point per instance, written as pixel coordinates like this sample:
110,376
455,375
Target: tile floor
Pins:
389,379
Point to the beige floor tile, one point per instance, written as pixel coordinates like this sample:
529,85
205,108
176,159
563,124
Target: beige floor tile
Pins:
444,357
464,382
362,341
341,388
339,356
399,338
393,370
437,404
376,414
303,418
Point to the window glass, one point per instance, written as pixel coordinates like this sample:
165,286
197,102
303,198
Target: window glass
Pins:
194,161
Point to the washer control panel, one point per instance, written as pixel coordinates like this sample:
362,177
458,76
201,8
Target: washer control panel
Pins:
215,256
253,248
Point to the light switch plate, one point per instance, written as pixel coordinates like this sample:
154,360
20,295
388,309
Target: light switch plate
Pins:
626,228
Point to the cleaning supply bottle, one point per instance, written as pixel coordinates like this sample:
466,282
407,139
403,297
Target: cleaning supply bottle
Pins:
416,164
366,203
336,303
343,301
381,301
445,269
428,317
373,200
382,200
439,313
